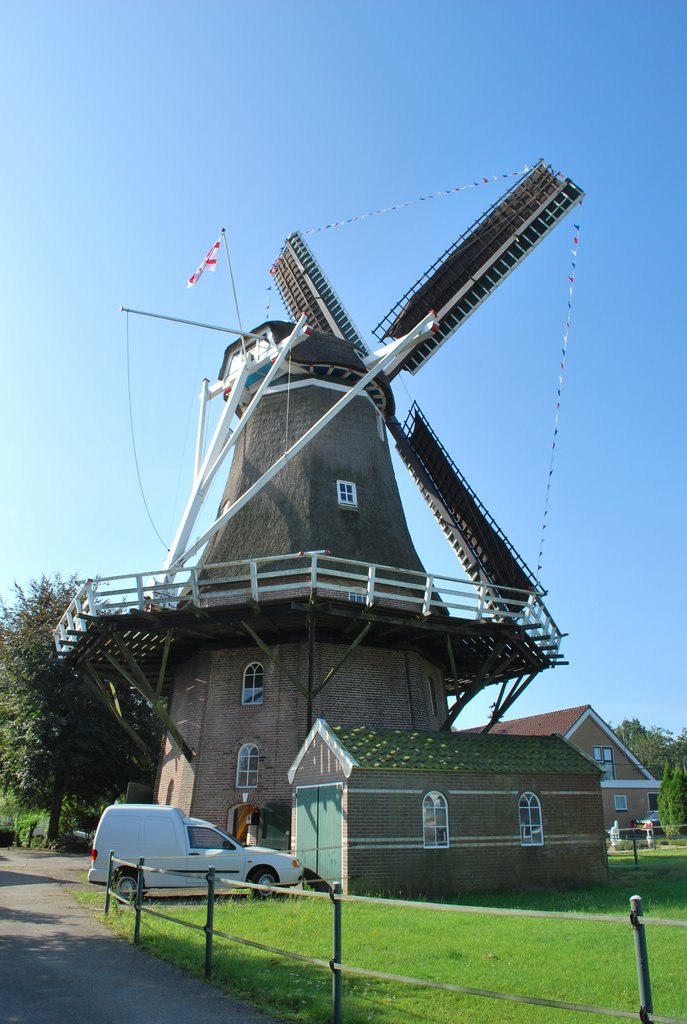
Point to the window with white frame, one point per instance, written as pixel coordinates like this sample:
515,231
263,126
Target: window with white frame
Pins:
357,596
347,493
620,802
434,821
253,680
604,758
247,767
531,830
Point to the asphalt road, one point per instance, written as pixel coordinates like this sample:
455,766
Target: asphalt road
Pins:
60,966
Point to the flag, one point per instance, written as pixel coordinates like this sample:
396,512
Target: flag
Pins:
210,262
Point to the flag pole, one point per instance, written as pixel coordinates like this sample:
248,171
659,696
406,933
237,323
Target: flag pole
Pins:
231,276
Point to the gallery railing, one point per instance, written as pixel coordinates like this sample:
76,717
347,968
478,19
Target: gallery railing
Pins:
303,575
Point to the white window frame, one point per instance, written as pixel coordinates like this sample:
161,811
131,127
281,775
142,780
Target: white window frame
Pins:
252,693
357,596
347,493
531,822
620,802
435,834
247,766
605,758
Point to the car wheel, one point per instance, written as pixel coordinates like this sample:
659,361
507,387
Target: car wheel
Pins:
263,876
125,884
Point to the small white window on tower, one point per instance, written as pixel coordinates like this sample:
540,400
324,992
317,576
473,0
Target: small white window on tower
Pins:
347,493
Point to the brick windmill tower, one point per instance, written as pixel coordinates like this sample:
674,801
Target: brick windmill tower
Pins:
309,599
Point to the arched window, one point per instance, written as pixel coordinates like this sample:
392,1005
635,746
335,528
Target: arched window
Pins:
434,820
531,829
247,767
170,792
253,678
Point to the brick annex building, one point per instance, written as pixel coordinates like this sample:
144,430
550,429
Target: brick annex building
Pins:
423,813
309,600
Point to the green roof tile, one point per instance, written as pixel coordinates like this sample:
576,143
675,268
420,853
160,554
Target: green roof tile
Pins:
461,752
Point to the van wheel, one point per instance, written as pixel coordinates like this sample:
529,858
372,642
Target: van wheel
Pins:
125,884
262,876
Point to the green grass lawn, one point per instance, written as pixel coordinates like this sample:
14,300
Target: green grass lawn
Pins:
574,961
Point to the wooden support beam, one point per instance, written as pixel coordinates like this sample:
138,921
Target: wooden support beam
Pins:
108,695
137,679
163,664
451,658
513,694
477,684
356,643
273,658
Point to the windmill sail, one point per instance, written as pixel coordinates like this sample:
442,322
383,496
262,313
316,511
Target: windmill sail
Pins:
305,289
483,548
473,267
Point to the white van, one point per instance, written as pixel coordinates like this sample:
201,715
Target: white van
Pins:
165,838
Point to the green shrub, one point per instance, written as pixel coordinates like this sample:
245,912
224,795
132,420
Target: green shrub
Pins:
30,827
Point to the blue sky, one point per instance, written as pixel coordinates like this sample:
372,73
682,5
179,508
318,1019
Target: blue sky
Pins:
132,132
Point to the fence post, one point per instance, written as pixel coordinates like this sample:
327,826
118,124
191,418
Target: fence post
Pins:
334,892
139,901
109,883
646,1004
209,921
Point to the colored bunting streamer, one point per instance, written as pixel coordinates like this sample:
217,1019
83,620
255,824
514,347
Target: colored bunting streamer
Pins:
269,299
410,202
564,350
420,199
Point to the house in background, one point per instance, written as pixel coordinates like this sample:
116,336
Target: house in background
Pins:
434,814
629,789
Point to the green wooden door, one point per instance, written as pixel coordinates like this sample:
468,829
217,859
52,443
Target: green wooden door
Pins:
318,829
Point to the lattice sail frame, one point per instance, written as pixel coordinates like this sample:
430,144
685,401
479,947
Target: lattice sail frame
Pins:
457,283
304,288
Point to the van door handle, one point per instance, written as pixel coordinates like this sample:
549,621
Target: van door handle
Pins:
194,855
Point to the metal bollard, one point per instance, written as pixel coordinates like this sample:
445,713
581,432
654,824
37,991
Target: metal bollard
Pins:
209,919
139,902
646,1005
336,950
109,883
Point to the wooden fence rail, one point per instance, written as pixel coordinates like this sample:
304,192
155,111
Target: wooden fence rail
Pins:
339,969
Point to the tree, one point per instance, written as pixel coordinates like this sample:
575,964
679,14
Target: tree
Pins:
56,739
672,800
652,745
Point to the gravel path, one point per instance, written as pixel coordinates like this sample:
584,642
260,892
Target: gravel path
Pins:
58,965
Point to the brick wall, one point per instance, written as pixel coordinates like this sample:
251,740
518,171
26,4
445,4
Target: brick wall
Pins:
383,836
637,802
589,734
176,777
374,686
485,850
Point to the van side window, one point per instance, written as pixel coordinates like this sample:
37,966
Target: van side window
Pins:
201,838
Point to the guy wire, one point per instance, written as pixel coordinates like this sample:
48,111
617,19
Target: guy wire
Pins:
133,437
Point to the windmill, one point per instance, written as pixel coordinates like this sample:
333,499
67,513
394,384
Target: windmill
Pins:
308,597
